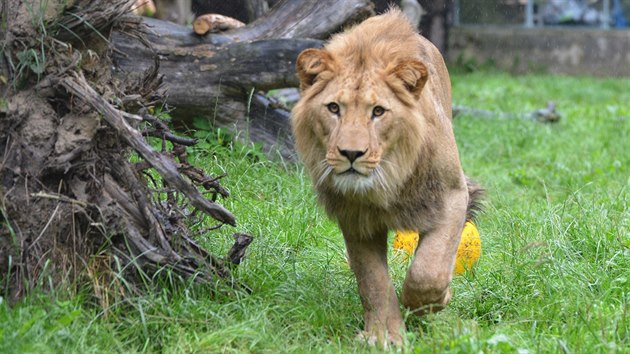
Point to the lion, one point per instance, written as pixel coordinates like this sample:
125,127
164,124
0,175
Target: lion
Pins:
373,128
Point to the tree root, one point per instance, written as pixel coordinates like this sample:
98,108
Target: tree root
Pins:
75,202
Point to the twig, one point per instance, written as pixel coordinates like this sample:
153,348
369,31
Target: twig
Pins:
44,229
211,228
131,116
158,133
59,197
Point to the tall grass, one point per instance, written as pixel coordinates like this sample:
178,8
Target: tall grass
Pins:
553,276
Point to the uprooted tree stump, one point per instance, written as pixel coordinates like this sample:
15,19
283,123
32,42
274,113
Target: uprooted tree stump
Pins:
73,204
78,80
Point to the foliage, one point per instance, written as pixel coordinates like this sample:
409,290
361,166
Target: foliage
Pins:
220,141
33,58
553,275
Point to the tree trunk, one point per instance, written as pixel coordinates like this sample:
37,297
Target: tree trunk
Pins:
221,76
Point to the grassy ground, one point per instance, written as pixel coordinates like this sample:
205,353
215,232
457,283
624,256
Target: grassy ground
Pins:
553,276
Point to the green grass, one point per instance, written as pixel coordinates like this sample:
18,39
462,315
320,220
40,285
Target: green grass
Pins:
553,276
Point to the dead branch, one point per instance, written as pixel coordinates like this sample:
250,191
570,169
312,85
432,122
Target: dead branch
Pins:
304,19
78,86
237,252
215,23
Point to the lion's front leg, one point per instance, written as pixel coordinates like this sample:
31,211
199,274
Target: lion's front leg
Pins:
368,260
426,287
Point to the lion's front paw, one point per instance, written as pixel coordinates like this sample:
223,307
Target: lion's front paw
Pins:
424,303
384,338
382,335
365,337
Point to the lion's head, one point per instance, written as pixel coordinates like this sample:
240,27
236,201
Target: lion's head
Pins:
360,126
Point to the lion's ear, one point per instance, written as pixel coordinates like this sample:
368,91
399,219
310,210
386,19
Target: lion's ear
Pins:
310,63
413,74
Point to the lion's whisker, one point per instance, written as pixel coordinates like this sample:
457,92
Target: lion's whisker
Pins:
382,180
325,171
320,167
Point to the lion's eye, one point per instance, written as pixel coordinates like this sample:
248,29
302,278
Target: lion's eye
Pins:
333,107
378,111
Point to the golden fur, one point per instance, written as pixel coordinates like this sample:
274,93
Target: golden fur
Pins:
373,128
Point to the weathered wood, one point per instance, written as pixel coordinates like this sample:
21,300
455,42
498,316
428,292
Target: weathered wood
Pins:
255,8
219,76
197,73
165,167
86,18
305,19
237,252
215,23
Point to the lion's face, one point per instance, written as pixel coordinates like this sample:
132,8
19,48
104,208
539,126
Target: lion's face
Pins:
356,131
357,118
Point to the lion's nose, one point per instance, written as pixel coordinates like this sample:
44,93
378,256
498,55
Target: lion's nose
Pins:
352,154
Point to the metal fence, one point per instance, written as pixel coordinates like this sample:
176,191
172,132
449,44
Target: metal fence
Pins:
533,13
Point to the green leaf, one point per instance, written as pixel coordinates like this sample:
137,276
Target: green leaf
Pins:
201,123
68,318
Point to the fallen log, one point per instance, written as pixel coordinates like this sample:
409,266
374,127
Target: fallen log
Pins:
223,76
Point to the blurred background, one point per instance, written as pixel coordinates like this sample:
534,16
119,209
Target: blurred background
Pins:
579,37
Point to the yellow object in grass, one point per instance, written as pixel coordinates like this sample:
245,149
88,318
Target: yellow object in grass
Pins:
406,241
468,252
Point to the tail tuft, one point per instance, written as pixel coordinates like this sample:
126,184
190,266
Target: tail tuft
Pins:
475,196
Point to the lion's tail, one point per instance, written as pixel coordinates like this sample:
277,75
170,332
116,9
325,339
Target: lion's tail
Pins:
475,196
